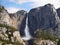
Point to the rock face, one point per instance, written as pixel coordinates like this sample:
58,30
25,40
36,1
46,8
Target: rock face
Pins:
58,11
44,17
44,42
9,23
4,18
18,17
40,19
22,27
17,36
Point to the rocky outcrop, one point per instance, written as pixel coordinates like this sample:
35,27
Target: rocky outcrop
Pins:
9,33
58,12
4,18
43,22
22,27
45,42
18,17
17,37
43,18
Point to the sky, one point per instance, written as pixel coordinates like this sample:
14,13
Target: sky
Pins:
13,6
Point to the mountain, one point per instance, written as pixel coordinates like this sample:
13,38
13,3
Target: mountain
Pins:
43,18
4,17
43,23
18,17
9,33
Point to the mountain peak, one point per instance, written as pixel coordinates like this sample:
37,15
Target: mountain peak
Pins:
49,5
2,9
21,12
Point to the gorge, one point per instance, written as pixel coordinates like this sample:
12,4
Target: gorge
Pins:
39,26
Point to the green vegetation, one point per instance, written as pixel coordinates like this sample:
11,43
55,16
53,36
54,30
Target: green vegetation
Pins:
45,35
1,8
8,27
11,30
58,43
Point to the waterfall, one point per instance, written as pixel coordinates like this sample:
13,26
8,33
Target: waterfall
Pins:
27,34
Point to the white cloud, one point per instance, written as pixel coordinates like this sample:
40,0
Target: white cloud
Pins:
36,3
21,1
43,2
12,9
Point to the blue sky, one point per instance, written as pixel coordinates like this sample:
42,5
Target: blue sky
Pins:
13,6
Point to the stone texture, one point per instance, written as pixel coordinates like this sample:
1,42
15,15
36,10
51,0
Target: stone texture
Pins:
44,17
7,35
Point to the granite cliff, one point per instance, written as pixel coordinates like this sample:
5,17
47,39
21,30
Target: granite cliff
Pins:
43,23
9,33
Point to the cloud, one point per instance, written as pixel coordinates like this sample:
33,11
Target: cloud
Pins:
12,9
21,1
36,3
